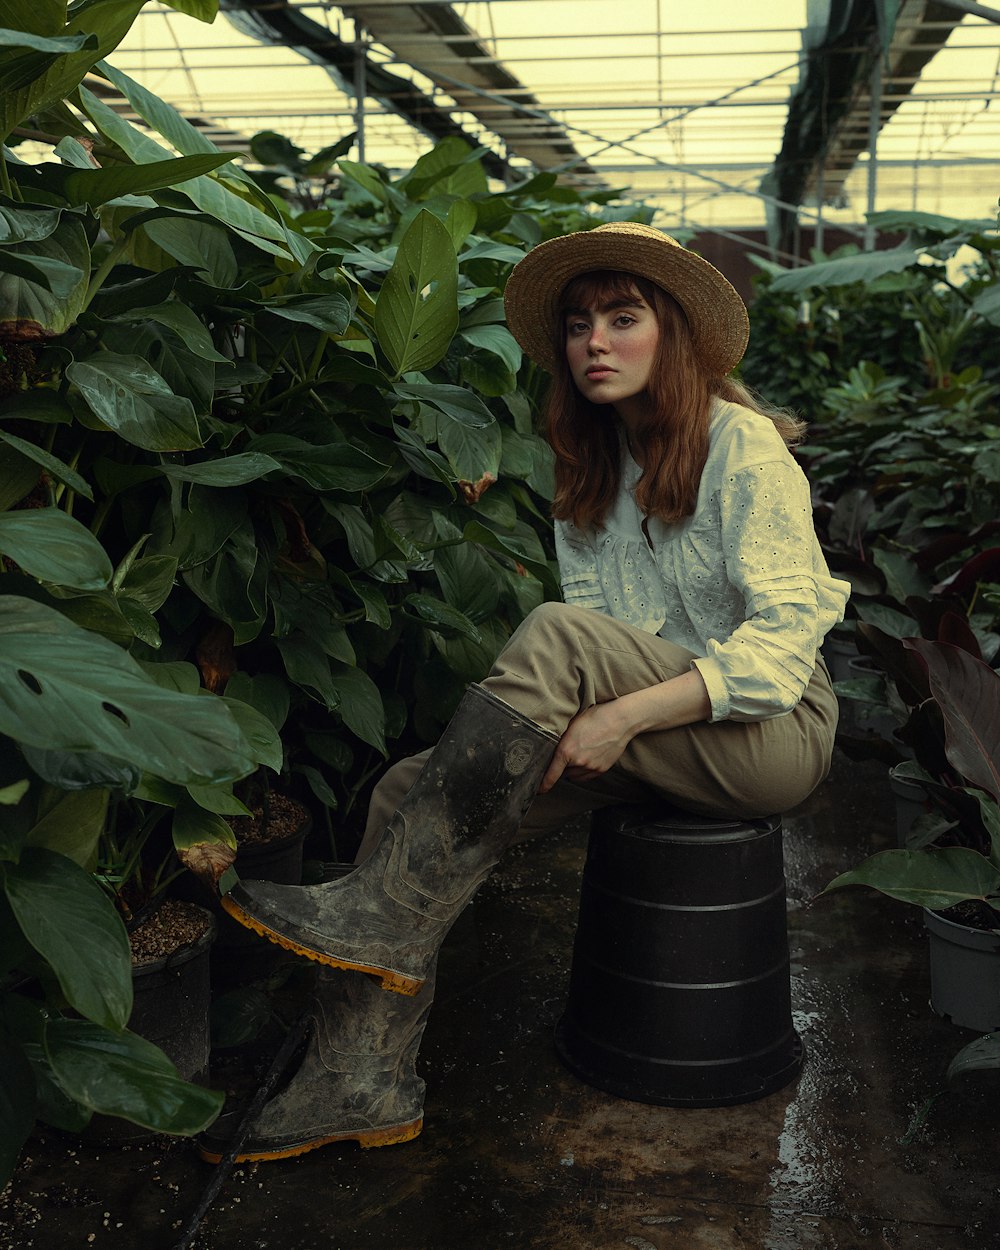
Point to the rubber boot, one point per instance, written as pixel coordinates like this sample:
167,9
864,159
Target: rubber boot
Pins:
357,1080
391,914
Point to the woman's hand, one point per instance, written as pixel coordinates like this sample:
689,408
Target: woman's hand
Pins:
596,737
594,741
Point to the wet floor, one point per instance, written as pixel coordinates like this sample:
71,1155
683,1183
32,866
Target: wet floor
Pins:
517,1152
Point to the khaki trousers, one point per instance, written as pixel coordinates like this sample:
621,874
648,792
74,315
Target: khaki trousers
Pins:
564,658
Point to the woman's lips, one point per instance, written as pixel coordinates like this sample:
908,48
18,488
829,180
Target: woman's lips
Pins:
599,373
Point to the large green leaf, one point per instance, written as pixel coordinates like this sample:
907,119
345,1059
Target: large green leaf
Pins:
147,582
454,401
520,547
124,1075
498,340
231,583
862,267
27,225
258,731
64,258
199,531
66,689
247,466
188,377
968,694
30,81
473,454
202,10
131,398
73,925
935,878
987,304
97,186
360,703
52,464
73,826
191,241
204,842
980,1055
57,44
332,466
442,616
329,313
184,322
54,547
416,314
17,1106
468,579
209,194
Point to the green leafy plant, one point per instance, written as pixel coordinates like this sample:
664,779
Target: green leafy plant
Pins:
270,492
954,728
893,367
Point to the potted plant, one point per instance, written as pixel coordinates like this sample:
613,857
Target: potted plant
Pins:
955,731
82,720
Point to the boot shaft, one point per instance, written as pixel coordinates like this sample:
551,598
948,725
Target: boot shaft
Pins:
467,804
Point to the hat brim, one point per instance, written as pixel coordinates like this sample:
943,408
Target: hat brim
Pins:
716,314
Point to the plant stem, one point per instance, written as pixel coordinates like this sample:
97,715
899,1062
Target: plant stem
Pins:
109,262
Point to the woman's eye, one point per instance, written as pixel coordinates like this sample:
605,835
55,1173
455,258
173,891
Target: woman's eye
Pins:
625,320
577,327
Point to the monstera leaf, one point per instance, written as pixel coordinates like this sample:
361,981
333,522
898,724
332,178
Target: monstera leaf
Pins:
64,688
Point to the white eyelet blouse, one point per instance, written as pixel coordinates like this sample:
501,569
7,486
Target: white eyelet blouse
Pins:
742,582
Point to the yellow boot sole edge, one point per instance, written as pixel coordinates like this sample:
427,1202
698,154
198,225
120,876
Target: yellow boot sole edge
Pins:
393,981
366,1139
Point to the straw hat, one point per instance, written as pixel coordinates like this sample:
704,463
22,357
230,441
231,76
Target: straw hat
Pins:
716,314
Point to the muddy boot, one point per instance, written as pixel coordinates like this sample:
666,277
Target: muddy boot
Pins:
357,1080
391,914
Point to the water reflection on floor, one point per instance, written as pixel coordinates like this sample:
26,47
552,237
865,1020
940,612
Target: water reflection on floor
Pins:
517,1152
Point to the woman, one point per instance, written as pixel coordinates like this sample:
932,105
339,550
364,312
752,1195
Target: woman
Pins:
683,663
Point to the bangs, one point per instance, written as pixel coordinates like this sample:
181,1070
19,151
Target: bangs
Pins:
602,286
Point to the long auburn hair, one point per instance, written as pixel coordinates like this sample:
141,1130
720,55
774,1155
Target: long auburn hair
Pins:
674,441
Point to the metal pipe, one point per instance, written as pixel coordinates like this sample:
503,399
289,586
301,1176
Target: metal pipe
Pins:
360,89
874,125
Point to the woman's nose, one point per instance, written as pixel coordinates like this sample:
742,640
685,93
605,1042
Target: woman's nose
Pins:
598,341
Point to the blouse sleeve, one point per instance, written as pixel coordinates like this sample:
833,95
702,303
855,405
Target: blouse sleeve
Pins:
772,558
578,567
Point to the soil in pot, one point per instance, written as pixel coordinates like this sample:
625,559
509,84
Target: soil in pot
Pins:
269,842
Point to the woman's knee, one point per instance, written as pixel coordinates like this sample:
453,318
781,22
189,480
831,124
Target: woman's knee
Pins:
550,623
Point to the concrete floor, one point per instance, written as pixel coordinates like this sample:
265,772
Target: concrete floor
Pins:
517,1152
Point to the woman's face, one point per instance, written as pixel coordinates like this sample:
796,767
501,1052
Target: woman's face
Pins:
611,348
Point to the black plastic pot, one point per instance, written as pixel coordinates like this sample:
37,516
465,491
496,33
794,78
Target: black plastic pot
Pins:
680,987
911,800
170,1007
965,972
279,860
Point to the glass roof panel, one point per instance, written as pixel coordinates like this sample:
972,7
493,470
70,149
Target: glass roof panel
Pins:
683,106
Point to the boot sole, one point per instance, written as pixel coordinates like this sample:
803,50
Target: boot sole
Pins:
367,1139
393,981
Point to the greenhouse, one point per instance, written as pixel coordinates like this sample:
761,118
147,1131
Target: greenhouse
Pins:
500,624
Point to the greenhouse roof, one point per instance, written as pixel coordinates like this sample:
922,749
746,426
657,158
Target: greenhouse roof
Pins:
714,114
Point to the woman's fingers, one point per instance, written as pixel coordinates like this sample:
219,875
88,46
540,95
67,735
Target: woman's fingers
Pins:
593,743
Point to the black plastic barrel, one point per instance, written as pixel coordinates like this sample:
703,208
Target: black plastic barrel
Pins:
680,988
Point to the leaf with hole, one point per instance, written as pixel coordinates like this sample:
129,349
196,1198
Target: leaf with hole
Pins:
416,313
64,688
